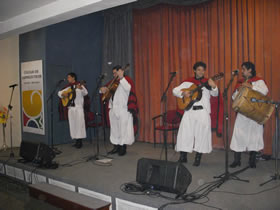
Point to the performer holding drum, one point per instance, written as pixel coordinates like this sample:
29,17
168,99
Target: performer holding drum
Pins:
247,133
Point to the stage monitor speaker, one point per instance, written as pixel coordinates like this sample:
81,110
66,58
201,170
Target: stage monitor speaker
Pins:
40,154
28,150
44,155
163,175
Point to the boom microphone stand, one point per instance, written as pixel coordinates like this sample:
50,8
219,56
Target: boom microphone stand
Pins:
164,100
276,175
10,107
50,98
228,176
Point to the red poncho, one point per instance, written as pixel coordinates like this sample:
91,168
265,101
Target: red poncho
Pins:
239,82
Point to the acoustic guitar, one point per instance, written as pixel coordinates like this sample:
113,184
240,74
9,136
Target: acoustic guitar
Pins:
186,103
71,95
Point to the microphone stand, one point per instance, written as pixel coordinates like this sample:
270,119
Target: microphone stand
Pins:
276,175
10,107
96,114
164,100
50,98
227,175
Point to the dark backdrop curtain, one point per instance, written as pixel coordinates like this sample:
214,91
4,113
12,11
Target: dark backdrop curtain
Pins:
118,40
222,33
117,47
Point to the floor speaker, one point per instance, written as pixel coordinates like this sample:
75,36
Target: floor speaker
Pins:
163,175
40,153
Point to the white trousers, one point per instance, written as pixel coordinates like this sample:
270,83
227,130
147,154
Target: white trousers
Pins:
247,135
195,132
77,123
121,123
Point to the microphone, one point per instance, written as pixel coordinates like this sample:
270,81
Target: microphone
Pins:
12,86
235,72
254,100
173,73
62,80
102,76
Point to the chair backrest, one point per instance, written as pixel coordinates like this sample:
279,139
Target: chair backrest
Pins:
173,117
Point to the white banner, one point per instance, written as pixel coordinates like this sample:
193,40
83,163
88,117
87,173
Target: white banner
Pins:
32,97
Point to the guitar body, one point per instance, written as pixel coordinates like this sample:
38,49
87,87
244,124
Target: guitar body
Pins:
71,96
106,96
186,103
112,87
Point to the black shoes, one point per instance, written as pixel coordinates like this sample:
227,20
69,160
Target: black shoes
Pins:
252,159
79,143
237,160
114,150
197,159
183,157
120,149
76,143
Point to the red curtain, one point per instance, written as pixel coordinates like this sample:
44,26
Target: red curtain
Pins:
222,33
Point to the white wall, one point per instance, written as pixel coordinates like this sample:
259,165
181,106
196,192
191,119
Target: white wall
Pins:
9,74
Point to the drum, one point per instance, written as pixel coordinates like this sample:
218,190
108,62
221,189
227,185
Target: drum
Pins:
259,112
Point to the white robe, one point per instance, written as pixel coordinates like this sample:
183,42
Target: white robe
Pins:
195,128
76,115
121,120
248,134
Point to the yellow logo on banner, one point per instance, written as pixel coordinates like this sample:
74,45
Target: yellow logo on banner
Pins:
32,102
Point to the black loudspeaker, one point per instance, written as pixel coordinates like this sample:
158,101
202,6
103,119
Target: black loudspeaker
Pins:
40,154
28,150
44,155
163,175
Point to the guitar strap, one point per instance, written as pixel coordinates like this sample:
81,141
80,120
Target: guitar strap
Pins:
72,102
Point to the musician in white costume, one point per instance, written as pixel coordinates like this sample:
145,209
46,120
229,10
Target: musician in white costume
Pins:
121,120
247,134
195,128
76,116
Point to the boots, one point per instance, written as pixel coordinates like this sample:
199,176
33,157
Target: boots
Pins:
122,150
114,150
197,159
183,157
252,159
79,143
76,143
237,160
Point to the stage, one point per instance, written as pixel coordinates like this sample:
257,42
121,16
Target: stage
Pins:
104,182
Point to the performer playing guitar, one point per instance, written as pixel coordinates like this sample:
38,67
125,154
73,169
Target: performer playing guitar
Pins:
75,109
123,112
195,127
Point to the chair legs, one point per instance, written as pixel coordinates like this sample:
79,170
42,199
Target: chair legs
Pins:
154,138
173,144
173,138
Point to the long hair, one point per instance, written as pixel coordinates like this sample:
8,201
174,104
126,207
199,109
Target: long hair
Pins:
249,65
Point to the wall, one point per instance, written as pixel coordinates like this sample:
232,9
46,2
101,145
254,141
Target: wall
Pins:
9,65
32,47
70,46
73,46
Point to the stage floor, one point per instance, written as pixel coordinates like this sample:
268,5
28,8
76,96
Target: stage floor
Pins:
75,174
